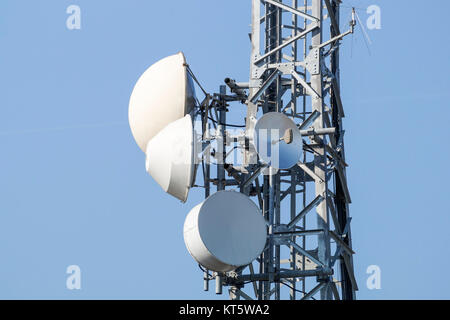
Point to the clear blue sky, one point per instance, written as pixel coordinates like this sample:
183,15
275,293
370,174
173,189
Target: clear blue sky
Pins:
72,180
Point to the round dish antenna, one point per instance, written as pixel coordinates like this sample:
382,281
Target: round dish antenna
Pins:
164,93
171,157
278,141
225,231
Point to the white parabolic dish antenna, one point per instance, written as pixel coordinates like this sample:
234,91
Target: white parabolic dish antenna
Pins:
225,231
164,93
171,157
278,140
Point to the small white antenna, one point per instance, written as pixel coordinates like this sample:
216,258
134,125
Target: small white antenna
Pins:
278,140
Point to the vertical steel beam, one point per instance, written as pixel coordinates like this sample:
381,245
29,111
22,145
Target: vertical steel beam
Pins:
221,152
320,157
252,108
293,195
348,292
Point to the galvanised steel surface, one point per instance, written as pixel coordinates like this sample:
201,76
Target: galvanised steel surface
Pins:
294,69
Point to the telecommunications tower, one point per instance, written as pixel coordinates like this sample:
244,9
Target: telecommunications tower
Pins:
277,224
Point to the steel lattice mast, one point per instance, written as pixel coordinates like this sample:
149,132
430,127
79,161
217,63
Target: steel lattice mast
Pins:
294,69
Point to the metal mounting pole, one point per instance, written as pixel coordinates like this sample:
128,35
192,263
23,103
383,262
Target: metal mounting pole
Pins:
320,158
